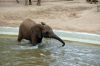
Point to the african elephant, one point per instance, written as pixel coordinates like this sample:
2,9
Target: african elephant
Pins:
30,2
34,32
92,1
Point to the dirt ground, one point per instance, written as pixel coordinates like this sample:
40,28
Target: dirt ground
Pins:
62,15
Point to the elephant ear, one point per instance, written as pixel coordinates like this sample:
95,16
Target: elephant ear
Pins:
36,31
43,26
43,23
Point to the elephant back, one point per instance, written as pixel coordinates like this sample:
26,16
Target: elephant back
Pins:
28,23
26,26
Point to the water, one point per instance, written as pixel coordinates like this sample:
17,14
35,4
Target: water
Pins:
49,53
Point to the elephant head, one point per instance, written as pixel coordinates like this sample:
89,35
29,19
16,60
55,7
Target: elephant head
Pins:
43,30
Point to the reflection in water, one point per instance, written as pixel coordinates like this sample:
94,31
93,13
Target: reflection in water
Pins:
48,54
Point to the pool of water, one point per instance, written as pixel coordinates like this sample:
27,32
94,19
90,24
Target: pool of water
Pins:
48,53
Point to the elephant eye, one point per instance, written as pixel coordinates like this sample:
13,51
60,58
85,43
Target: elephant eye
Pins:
46,33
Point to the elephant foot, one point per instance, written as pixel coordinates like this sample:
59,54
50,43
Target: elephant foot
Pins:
41,46
30,3
38,4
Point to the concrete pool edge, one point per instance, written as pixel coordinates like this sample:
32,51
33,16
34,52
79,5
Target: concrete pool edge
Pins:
65,35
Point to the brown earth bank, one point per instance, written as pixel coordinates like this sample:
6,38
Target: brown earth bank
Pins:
62,15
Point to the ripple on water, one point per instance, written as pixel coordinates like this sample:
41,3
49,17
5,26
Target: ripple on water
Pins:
49,54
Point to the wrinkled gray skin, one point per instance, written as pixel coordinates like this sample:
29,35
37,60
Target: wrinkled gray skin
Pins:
34,32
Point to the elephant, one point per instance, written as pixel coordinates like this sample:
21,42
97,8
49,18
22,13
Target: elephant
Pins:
30,2
34,32
92,1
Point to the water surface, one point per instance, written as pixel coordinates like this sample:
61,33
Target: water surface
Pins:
49,53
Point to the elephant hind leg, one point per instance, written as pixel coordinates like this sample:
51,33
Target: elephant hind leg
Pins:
20,37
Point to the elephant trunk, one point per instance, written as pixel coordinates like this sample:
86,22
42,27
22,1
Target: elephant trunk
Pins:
59,39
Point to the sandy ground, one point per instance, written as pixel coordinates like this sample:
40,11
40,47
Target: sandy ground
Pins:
63,15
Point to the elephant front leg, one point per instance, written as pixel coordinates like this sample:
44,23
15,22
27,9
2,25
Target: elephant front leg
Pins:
17,1
35,41
39,2
30,2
